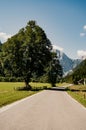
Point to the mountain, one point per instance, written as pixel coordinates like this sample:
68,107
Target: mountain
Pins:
67,63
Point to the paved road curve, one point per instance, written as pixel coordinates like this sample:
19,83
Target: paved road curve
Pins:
47,110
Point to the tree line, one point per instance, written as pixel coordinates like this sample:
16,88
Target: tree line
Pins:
28,56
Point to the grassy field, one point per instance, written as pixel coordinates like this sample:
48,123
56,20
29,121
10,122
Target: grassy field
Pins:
8,94
78,92
62,84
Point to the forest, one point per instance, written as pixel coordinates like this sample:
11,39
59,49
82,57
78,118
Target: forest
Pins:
78,75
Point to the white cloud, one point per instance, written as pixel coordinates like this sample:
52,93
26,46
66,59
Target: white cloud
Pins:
4,36
82,34
57,47
81,54
84,27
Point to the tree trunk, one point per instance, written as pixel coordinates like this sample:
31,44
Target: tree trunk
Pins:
27,85
53,84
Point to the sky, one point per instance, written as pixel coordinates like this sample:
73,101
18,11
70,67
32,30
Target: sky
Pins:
64,22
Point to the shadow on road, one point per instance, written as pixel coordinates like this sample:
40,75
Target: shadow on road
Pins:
58,88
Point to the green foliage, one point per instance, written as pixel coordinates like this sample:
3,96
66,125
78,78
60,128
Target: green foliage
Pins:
11,79
55,70
28,54
68,79
78,73
44,78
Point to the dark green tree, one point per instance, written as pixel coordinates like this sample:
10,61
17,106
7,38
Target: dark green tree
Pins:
37,54
55,70
12,57
27,52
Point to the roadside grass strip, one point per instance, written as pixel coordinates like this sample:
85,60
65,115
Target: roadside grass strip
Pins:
78,92
9,94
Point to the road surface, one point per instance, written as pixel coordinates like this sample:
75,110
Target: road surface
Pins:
47,110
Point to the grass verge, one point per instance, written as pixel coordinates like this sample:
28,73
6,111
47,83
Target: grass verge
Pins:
64,84
78,92
8,94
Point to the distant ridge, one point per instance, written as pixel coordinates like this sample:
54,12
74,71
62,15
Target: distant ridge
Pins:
67,63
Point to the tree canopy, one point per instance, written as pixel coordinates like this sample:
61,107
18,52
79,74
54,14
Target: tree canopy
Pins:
26,53
55,70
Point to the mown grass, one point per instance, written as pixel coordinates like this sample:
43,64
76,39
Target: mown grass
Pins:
78,92
64,84
9,94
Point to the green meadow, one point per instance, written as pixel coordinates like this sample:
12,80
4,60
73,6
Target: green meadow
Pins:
9,93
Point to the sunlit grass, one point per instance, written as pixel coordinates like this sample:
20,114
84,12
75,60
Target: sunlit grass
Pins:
64,84
78,92
34,84
8,94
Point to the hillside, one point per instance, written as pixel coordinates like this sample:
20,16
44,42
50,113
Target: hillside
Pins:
80,72
78,75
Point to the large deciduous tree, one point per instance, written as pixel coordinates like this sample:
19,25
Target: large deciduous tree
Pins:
27,52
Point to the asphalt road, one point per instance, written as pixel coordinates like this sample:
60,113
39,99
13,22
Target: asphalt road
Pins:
47,110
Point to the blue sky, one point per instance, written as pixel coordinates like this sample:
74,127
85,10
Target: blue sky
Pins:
64,21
